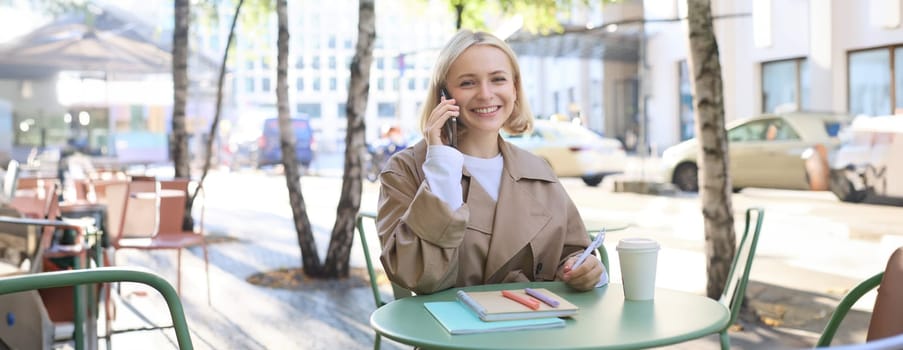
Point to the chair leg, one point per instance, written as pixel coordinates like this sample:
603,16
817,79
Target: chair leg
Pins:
207,271
377,341
179,272
725,340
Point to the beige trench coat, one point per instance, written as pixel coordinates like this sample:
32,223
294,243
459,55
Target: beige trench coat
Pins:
527,236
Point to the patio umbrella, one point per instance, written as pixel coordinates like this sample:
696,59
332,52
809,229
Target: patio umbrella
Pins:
80,47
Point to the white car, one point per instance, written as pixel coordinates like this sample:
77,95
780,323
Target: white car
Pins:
573,150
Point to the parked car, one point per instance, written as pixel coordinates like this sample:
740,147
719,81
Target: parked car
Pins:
573,150
869,163
269,149
766,151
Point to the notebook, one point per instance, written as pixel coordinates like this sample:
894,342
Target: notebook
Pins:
493,306
457,319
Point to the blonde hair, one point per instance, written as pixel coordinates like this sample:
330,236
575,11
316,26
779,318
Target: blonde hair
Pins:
521,119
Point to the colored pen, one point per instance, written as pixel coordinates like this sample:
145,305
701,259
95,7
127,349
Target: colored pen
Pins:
530,303
544,298
473,304
592,246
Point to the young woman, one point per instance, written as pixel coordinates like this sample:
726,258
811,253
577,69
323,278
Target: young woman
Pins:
483,211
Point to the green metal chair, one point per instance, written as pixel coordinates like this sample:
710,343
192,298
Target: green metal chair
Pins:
21,283
397,291
846,303
738,277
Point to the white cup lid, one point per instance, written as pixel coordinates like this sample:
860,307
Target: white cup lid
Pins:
637,244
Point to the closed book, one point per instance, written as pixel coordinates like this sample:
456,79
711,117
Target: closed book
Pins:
457,319
493,306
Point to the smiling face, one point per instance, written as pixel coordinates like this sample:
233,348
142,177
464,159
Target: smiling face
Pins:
481,80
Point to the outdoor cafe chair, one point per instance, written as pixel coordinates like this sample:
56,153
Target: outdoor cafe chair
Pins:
398,291
60,252
102,275
846,303
161,228
738,277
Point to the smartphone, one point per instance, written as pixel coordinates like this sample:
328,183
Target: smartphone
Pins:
451,125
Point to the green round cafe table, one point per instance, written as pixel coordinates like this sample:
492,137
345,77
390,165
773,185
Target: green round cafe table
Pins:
605,321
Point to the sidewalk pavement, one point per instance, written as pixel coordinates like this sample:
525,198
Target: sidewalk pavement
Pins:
256,237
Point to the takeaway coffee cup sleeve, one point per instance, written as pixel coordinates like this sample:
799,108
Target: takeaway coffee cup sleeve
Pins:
638,258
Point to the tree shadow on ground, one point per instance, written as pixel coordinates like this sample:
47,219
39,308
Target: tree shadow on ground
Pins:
796,310
296,279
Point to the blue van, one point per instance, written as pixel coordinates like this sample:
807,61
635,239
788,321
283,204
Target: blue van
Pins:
270,152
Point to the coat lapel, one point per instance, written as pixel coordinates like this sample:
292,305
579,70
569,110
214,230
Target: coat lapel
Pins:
519,216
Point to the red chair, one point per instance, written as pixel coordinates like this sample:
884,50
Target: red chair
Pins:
169,200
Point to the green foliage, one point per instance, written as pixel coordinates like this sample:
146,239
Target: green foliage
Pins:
256,18
540,16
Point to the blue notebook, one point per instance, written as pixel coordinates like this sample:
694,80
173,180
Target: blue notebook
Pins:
458,319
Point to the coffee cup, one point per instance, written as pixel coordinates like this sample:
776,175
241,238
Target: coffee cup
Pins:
638,258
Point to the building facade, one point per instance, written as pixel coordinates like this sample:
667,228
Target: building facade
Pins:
822,55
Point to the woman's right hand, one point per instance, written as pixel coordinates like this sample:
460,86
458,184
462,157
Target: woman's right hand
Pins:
444,110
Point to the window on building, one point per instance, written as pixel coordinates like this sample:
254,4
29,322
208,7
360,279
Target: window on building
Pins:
685,98
249,84
347,43
380,84
332,62
870,81
425,83
785,85
412,84
898,80
299,84
395,84
331,41
385,109
249,64
342,110
312,110
380,62
316,63
333,84
265,85
316,84
299,64
264,63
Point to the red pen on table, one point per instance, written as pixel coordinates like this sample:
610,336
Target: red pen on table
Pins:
528,302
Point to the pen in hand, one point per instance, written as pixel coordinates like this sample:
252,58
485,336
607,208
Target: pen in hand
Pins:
596,243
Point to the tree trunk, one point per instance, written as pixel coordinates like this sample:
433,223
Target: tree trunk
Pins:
310,258
459,15
350,200
715,185
214,126
178,142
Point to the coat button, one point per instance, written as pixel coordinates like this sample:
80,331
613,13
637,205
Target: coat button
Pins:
538,268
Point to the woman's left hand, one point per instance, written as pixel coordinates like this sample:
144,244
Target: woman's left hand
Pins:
585,276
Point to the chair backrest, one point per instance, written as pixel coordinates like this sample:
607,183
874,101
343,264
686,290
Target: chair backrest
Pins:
738,277
397,291
172,205
141,216
10,181
106,275
115,197
846,303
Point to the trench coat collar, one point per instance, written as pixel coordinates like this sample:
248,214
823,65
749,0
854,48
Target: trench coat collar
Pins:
519,215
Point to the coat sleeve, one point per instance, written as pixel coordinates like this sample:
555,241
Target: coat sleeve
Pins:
576,238
420,234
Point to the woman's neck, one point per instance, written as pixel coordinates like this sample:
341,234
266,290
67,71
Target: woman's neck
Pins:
480,145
